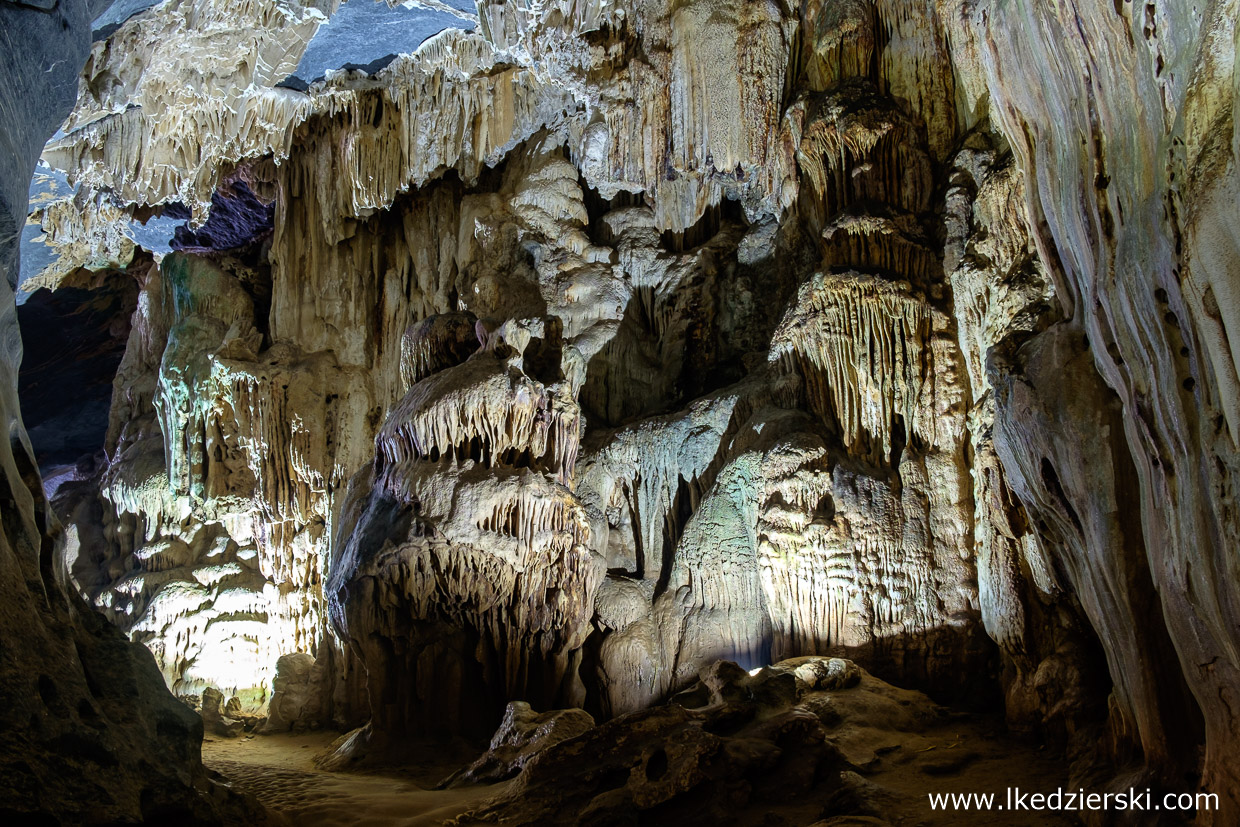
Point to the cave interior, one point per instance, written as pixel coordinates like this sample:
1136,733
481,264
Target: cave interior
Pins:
619,412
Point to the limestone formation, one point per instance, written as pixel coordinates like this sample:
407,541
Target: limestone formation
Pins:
88,733
575,347
521,737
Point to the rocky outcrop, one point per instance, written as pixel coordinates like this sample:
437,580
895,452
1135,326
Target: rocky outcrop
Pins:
733,748
706,760
558,359
1148,503
298,690
522,736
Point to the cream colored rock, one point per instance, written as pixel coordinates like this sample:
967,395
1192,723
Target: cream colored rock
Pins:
144,133
1132,141
90,236
297,694
486,448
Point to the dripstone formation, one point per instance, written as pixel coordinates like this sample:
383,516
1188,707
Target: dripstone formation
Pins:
588,344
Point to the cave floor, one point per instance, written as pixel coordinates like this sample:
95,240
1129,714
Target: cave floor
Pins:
964,755
279,771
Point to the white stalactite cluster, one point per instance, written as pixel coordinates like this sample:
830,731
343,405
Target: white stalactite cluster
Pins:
455,329
486,410
861,345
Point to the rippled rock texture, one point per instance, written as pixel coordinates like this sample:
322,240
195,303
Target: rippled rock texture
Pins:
588,344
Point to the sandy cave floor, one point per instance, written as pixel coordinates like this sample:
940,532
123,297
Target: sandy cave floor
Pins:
968,754
963,755
279,771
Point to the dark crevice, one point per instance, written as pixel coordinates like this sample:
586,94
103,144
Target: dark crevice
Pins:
1051,480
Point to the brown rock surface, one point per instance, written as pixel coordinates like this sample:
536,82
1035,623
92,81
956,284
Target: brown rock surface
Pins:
741,749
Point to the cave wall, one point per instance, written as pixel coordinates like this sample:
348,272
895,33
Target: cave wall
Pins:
1124,135
88,732
598,343
305,359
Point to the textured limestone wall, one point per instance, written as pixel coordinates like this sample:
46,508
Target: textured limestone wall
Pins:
604,341
1123,133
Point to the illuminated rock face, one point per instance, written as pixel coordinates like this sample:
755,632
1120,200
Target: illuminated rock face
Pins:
602,341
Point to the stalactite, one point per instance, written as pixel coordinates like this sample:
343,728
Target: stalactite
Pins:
862,345
485,399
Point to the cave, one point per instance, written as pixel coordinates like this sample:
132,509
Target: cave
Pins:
649,412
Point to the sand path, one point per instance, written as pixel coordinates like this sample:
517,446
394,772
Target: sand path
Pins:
279,771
